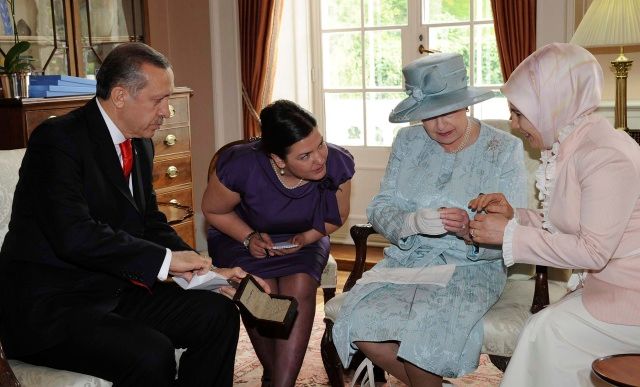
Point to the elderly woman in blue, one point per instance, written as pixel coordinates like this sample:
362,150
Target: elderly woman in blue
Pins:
418,313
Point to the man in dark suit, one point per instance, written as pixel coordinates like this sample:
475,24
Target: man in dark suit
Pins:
87,249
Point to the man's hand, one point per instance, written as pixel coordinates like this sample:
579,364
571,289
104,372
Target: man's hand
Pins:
236,274
494,203
187,263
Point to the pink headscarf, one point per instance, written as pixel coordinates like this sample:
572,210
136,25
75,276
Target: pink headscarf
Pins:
554,86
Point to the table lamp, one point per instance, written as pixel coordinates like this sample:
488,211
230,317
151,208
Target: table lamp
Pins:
612,23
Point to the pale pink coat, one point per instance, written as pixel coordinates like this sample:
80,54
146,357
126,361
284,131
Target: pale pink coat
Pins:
595,201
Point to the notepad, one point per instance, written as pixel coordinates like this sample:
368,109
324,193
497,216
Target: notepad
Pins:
209,281
283,245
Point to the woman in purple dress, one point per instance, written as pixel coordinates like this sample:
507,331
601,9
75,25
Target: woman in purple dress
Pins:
290,186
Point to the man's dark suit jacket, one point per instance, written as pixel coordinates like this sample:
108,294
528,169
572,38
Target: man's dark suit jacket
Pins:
77,237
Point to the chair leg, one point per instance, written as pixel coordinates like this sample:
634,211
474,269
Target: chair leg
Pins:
378,373
330,359
500,362
329,293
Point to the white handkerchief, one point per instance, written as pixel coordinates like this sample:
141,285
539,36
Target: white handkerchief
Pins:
431,275
209,281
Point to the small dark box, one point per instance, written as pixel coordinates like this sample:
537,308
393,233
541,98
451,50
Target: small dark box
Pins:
264,308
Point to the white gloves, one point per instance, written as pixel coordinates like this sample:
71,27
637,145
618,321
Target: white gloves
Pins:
423,221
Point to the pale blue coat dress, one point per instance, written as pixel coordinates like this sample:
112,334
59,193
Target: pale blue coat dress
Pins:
439,328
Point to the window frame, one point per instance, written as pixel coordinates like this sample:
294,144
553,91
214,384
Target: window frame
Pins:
410,41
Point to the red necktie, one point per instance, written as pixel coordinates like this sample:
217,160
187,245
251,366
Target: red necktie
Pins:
127,158
127,164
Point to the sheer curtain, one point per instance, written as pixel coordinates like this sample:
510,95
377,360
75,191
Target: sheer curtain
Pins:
259,25
515,26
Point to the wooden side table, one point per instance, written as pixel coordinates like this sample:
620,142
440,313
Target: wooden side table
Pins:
620,370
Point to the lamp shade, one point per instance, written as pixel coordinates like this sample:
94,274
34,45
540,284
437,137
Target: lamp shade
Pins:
609,23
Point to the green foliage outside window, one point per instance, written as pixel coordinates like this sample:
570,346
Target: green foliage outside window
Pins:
361,58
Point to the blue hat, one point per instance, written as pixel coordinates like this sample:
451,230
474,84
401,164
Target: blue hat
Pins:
436,85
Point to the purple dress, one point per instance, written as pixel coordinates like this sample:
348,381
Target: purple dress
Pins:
268,207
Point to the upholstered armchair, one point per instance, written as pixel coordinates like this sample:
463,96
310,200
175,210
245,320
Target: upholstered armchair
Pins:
14,373
528,290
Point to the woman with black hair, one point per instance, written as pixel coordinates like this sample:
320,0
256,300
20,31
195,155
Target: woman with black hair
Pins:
290,186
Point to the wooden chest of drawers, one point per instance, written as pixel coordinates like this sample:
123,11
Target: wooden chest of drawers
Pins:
172,163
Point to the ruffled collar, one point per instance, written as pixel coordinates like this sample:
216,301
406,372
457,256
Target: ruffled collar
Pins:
546,173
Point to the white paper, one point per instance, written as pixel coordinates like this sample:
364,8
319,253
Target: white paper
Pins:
209,281
431,275
283,245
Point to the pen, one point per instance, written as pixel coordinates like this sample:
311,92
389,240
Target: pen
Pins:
476,247
266,251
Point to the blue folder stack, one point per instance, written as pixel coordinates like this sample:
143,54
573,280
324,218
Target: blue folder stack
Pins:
59,85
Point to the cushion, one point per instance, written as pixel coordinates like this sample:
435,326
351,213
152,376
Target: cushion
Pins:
332,307
505,320
30,375
502,323
10,161
36,376
329,277
521,271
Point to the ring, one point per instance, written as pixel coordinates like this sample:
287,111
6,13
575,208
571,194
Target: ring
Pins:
473,234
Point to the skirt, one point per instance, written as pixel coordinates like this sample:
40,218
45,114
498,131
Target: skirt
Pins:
310,259
559,343
439,329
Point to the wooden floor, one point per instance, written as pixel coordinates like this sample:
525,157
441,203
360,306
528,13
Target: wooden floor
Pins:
344,255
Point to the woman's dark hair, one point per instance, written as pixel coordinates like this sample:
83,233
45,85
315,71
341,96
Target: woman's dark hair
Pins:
283,124
122,68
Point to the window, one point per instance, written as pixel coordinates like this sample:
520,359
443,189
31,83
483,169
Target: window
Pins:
363,45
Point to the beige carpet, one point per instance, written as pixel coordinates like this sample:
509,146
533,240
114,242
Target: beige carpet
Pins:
248,369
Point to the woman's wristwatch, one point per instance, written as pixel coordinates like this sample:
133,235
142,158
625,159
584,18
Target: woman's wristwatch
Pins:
247,239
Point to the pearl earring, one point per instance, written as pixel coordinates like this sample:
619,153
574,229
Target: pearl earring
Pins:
281,171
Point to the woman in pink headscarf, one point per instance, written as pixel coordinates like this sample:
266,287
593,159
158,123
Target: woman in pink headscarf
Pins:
589,183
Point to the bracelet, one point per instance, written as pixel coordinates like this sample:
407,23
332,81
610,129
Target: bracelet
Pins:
247,239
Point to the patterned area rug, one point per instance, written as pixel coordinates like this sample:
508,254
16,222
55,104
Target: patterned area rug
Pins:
248,370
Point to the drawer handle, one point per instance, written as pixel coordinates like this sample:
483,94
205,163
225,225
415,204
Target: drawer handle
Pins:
174,201
176,213
172,111
53,116
170,140
172,172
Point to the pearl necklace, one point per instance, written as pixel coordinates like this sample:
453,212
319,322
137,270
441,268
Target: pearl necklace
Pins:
465,138
278,175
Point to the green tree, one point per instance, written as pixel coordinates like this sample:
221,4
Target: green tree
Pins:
354,133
